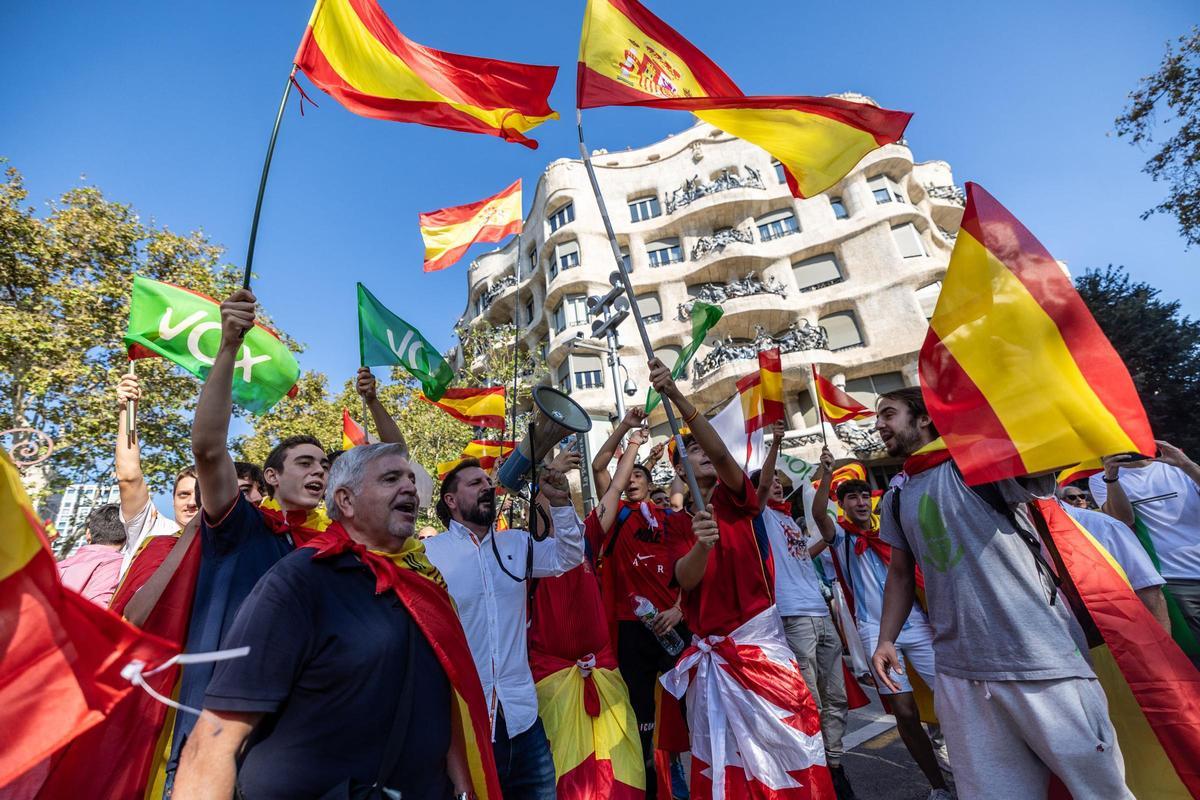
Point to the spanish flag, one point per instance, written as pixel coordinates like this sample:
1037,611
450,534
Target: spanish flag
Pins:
353,52
353,434
62,656
448,232
1152,688
837,406
487,451
629,57
1017,375
479,408
761,393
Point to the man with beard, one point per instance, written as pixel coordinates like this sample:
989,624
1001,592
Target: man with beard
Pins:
487,571
1015,695
754,726
358,673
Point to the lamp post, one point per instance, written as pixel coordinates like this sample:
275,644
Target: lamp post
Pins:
615,368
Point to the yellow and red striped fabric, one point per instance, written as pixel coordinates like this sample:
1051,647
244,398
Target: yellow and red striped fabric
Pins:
1084,469
353,434
629,57
448,232
353,52
480,408
488,451
761,393
1152,688
62,656
836,405
1017,375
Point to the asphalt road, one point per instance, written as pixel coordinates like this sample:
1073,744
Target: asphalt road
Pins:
877,762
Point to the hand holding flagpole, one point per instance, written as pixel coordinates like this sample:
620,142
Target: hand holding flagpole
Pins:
131,415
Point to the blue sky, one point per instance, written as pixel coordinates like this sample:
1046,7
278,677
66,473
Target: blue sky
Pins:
168,106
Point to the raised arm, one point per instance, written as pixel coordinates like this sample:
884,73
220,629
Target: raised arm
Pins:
215,472
564,549
820,504
1116,503
131,483
610,503
689,570
766,476
389,431
728,470
634,418
1170,454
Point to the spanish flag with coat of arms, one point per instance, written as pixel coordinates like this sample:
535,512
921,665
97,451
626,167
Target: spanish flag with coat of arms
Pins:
629,57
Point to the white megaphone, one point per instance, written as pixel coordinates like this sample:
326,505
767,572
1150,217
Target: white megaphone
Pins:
555,416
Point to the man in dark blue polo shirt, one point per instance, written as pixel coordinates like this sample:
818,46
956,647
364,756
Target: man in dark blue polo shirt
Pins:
341,683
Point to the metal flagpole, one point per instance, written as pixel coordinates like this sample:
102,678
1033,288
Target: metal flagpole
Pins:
262,182
516,346
820,408
362,362
697,499
130,416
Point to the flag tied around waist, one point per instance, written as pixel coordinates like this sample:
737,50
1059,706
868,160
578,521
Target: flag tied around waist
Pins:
1016,374
629,57
449,232
184,327
354,53
385,339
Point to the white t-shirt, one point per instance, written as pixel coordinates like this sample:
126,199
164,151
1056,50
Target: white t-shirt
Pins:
141,526
1121,543
1168,502
797,587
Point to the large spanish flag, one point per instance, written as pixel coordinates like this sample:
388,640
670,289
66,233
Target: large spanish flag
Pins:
480,408
761,393
837,406
1017,375
1152,688
61,657
629,57
448,232
352,51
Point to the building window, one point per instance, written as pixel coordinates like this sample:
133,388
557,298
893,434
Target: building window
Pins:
777,224
649,307
817,272
626,260
780,173
566,256
562,217
908,240
644,208
563,376
839,208
808,409
865,390
529,313
588,371
927,297
885,190
669,354
842,330
533,262
571,312
663,252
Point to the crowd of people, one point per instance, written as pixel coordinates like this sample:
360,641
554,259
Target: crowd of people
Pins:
486,661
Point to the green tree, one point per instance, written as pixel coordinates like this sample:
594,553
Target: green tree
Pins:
1160,347
65,281
1174,90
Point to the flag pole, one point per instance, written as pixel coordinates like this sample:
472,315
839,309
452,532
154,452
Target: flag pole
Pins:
512,403
262,181
130,416
697,499
362,362
820,408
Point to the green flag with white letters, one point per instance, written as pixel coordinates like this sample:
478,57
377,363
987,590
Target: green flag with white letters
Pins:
385,339
184,327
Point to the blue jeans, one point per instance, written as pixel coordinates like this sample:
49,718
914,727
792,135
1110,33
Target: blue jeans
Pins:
524,762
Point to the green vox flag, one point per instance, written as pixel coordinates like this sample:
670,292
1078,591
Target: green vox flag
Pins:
184,327
704,317
385,339
797,470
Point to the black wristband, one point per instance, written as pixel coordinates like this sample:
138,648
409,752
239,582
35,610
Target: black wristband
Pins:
1107,479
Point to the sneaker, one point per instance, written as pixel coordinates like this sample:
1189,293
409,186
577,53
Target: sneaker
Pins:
941,794
841,784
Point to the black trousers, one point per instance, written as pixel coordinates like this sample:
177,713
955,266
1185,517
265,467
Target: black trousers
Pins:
641,660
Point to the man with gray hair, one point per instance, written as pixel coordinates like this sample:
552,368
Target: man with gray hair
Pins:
342,689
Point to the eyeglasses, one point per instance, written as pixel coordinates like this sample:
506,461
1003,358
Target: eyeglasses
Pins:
1075,498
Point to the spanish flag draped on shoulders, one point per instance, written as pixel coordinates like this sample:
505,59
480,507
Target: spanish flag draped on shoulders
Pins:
418,585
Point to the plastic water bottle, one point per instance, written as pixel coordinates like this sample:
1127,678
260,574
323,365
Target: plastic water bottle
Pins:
671,641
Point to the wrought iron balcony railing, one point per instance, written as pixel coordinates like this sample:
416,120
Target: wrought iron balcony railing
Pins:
694,189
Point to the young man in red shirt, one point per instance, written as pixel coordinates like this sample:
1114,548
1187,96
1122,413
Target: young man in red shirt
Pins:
754,726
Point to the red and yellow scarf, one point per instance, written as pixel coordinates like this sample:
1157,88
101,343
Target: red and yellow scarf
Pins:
300,525
927,457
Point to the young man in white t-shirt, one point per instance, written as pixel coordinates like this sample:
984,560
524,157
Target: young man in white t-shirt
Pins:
1164,493
807,623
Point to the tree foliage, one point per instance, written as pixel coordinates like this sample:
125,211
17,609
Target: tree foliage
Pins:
1160,347
65,282
1175,89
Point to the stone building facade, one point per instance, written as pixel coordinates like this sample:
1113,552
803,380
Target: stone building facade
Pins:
846,280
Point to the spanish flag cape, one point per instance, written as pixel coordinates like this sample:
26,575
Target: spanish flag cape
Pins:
125,756
582,698
420,587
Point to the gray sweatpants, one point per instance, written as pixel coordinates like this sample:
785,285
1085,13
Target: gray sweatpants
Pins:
818,650
1007,737
1187,595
